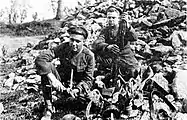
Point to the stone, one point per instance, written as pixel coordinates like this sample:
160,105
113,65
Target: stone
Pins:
19,79
33,79
170,22
28,58
1,107
30,81
15,86
162,49
8,82
33,88
181,84
174,59
11,75
152,43
70,117
146,23
179,38
184,7
31,72
180,116
160,80
172,13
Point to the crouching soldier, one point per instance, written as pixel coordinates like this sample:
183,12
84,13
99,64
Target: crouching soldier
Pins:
75,72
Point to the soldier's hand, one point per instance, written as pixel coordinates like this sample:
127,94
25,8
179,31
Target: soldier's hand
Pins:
74,92
99,82
55,82
125,17
113,48
58,85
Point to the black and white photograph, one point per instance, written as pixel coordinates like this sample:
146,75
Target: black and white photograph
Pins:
93,60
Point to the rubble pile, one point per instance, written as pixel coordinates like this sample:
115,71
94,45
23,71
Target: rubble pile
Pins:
161,46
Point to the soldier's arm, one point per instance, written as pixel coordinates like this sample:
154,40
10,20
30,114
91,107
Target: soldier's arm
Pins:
131,35
43,62
99,44
91,65
86,84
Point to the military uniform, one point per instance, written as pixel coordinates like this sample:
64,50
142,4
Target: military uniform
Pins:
110,36
82,64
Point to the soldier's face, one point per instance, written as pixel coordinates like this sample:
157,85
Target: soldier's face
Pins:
112,18
76,42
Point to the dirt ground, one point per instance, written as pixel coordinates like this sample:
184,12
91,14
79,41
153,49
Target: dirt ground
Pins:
12,42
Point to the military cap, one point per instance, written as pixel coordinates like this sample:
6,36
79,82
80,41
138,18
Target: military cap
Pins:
115,7
78,30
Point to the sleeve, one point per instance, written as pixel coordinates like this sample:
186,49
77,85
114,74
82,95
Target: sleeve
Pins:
90,66
86,84
43,62
99,44
57,50
131,35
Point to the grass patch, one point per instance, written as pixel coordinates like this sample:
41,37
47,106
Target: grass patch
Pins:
33,28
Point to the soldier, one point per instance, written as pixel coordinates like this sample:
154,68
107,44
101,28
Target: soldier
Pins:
112,43
77,64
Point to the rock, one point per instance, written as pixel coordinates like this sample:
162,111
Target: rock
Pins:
12,75
170,22
161,106
181,116
178,38
146,23
15,86
165,3
184,51
184,7
30,81
19,79
1,108
170,98
173,59
145,116
138,47
181,84
33,78
8,82
162,49
164,30
34,53
160,80
152,43
28,58
147,52
70,117
176,6
183,66
178,105
140,42
172,13
184,106
31,72
33,88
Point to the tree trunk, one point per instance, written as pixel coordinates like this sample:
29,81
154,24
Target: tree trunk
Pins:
59,14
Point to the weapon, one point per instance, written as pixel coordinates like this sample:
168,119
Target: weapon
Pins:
124,6
69,90
71,80
122,28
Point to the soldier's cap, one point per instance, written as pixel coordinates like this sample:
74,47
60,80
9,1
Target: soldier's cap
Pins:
115,7
78,30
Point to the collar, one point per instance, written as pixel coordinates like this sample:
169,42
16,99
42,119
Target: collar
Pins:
76,55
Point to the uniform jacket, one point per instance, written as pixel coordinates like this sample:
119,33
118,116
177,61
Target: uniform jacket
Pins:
83,64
